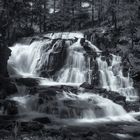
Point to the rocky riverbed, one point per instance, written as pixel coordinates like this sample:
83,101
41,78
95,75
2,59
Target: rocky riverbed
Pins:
40,127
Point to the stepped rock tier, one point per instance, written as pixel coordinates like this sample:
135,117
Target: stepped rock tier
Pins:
62,78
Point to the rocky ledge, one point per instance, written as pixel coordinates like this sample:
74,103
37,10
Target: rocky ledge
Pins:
39,131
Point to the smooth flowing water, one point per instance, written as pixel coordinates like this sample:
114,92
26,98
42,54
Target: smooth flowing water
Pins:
27,60
76,68
111,78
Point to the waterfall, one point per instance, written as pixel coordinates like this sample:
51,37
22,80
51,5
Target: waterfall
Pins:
25,58
29,60
111,78
76,68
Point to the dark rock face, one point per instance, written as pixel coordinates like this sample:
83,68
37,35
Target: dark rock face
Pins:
5,52
132,106
95,81
86,85
44,120
9,107
30,126
85,45
7,87
56,59
50,92
28,82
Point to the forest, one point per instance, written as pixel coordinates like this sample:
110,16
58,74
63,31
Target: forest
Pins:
26,17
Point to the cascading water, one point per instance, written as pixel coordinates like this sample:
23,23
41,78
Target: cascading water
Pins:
111,78
27,61
24,58
76,68
86,107
93,106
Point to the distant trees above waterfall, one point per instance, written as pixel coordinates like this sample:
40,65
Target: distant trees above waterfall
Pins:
24,17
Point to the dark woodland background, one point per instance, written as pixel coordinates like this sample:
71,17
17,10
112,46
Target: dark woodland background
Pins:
25,17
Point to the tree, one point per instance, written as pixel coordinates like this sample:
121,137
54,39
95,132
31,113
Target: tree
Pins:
92,3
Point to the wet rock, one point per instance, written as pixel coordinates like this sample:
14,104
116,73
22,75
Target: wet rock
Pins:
8,118
132,129
96,80
56,59
3,94
6,125
9,107
126,67
7,87
3,133
108,136
86,85
50,92
5,52
136,76
29,82
135,65
132,106
53,90
120,98
114,96
123,40
86,47
69,89
138,117
31,126
43,120
46,99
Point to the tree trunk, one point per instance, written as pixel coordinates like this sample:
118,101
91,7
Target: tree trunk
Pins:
92,12
54,6
40,27
44,18
100,11
73,14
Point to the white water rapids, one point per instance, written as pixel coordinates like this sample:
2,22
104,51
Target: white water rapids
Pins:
27,60
111,78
